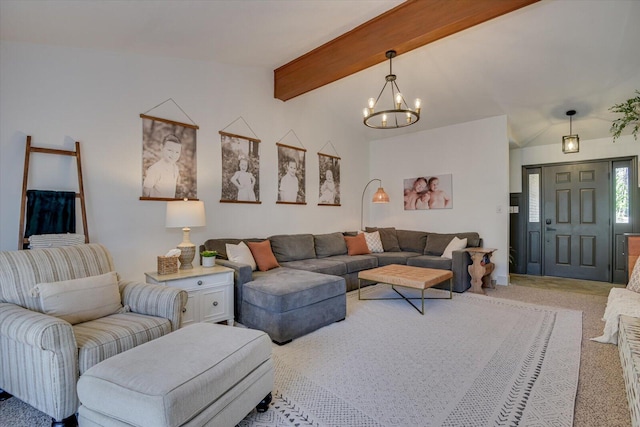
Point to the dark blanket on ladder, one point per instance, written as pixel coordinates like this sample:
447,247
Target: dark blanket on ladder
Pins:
50,212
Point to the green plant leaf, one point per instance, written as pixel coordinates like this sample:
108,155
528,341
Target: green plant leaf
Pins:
630,111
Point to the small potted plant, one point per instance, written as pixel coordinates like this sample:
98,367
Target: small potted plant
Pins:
630,110
208,258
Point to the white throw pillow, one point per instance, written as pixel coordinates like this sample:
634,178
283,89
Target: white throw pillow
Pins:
241,253
454,245
634,280
374,243
80,300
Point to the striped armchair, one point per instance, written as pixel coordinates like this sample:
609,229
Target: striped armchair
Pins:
41,356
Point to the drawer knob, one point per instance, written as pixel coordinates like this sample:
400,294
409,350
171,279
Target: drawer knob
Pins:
199,282
215,303
184,310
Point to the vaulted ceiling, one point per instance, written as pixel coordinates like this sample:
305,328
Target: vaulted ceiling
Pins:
531,64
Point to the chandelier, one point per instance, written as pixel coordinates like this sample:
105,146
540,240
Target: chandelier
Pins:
397,117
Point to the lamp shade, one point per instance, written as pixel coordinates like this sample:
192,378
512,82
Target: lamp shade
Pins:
570,144
185,213
380,196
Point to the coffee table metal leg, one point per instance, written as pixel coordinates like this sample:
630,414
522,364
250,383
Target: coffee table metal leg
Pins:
407,299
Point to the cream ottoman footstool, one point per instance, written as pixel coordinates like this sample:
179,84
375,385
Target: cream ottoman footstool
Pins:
200,375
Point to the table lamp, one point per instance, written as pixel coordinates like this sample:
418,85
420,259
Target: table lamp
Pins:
184,214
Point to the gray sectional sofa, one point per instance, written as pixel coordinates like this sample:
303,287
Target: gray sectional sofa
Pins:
308,290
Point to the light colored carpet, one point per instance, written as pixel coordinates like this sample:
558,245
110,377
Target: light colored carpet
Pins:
470,361
601,399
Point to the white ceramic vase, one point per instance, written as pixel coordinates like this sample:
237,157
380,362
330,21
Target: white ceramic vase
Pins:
208,261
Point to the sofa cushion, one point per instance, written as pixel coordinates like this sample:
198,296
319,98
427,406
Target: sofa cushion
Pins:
388,236
286,289
292,247
319,265
263,255
430,261
437,242
356,245
356,263
102,338
22,270
80,300
387,258
329,244
412,241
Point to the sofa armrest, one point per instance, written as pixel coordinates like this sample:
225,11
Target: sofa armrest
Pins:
39,363
242,274
154,300
460,261
34,329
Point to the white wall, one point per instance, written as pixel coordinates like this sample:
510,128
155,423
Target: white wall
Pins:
60,95
603,148
477,155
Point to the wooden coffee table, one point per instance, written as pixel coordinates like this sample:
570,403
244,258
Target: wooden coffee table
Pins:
406,276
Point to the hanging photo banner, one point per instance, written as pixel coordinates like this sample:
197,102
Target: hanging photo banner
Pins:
240,169
329,167
169,162
291,175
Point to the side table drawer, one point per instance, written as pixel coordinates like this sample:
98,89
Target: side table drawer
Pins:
215,304
201,281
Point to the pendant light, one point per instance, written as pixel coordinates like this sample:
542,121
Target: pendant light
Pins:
571,142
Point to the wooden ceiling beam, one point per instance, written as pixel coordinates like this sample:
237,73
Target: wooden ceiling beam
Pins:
410,25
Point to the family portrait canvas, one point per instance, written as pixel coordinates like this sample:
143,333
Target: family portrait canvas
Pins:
428,192
168,159
329,167
291,174
240,169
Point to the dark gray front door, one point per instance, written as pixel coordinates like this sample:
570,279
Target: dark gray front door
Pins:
576,221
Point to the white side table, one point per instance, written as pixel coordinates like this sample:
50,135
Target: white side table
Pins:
210,292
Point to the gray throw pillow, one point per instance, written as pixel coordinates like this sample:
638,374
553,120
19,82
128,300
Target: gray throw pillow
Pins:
329,244
293,247
412,241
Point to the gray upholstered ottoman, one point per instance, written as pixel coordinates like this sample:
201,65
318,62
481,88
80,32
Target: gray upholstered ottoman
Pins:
288,303
201,375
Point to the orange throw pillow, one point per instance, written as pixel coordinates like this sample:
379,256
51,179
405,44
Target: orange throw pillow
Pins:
263,255
356,245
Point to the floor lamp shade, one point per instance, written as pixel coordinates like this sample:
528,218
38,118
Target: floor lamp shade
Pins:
185,214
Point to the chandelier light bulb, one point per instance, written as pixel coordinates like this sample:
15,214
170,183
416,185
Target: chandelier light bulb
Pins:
418,104
408,117
384,120
365,112
372,103
398,101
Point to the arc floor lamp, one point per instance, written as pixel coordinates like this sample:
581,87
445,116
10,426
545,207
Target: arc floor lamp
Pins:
379,197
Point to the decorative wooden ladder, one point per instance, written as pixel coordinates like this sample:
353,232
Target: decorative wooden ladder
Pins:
23,241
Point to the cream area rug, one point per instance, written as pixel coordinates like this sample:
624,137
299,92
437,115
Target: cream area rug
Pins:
470,361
